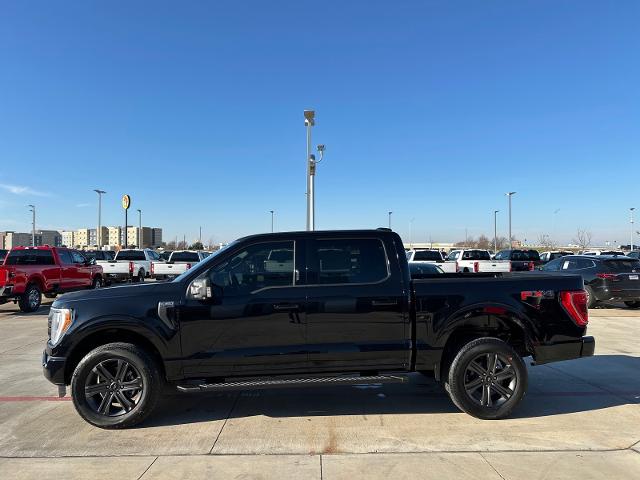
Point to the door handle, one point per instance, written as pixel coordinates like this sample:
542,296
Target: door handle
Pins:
383,303
286,307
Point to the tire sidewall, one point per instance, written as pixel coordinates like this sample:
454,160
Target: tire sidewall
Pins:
459,366
24,303
150,385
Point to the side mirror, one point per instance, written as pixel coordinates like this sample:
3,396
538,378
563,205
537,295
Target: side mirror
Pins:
200,290
92,261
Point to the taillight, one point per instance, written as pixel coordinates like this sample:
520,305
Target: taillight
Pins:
531,266
152,269
188,266
131,268
575,304
476,267
607,276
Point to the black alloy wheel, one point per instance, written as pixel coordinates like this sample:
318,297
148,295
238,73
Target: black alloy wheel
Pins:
487,378
30,300
113,387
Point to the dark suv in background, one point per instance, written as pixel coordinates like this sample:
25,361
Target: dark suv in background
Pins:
606,278
521,260
3,253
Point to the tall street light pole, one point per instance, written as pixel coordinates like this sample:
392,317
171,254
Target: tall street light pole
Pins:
271,220
309,121
510,194
390,220
139,228
32,209
631,244
99,232
495,231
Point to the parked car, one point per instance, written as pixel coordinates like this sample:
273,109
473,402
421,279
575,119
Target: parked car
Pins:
430,256
178,263
477,261
165,255
3,253
552,255
602,252
334,308
635,254
29,272
424,270
521,260
606,278
131,265
103,255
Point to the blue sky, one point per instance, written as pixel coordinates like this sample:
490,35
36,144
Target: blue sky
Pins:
431,109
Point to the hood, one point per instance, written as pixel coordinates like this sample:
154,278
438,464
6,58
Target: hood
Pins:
111,292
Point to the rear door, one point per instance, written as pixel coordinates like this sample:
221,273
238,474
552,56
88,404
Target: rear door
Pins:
68,270
356,309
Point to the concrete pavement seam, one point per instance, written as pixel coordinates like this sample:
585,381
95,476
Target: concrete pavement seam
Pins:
225,423
321,467
492,467
147,469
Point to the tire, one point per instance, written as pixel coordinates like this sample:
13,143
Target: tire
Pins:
141,276
97,283
489,400
139,376
591,298
632,304
30,300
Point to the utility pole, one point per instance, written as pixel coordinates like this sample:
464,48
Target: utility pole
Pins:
271,220
390,220
139,228
631,244
99,232
200,237
510,194
495,231
32,209
309,121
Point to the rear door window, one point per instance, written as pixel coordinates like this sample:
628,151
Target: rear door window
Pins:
427,255
65,256
621,265
134,255
349,261
185,257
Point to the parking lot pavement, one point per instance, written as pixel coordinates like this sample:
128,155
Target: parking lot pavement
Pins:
580,419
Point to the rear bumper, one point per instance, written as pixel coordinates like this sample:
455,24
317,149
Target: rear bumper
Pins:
53,368
117,277
611,293
582,347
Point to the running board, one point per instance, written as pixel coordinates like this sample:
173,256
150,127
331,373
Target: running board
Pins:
290,382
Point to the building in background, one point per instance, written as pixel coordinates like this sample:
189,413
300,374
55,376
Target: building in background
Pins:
50,237
156,237
82,238
69,238
2,235
15,239
114,236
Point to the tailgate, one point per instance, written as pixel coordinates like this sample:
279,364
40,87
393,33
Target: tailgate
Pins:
116,267
491,266
169,268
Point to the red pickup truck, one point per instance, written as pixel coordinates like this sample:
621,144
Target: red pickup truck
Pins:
29,272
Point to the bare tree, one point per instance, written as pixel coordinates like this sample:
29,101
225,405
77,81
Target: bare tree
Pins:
583,238
483,242
546,242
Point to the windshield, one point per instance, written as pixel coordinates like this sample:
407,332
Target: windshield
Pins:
204,263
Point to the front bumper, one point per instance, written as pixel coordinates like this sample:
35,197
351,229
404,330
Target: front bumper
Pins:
582,347
53,368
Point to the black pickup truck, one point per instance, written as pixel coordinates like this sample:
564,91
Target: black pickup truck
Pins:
311,308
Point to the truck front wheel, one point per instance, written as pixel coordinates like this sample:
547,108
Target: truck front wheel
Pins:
116,385
30,300
487,379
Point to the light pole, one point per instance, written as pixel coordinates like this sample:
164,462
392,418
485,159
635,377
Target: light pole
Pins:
631,245
139,228
411,232
32,209
510,194
390,220
271,220
99,232
495,231
309,121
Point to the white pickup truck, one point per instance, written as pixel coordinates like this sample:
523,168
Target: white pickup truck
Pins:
178,263
431,256
477,261
129,265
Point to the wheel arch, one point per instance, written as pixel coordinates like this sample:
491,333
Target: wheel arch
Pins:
110,335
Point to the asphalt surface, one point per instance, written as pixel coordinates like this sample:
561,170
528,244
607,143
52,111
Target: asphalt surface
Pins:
580,419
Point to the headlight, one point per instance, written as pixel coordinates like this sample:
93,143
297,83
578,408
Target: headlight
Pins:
60,319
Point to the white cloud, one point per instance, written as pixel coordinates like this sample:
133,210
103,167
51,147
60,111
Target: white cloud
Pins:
21,190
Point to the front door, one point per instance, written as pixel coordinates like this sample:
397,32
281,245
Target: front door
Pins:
68,270
357,309
83,269
255,322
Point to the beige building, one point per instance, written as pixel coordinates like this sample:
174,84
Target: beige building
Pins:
82,237
69,238
114,235
15,239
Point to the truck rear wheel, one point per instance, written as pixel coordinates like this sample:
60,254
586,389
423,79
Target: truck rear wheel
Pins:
487,379
30,300
116,385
